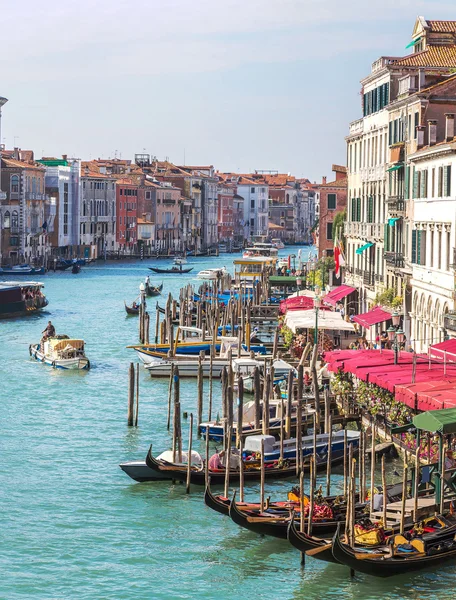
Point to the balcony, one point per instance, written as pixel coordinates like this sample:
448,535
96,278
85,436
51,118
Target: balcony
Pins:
396,205
34,196
394,259
356,127
169,201
2,196
449,320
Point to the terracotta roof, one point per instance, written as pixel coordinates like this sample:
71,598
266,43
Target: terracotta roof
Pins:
338,183
13,163
433,56
442,26
274,226
144,222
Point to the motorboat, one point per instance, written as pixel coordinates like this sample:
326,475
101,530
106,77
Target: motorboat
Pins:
277,243
212,274
22,270
18,298
252,445
246,366
261,249
61,352
139,471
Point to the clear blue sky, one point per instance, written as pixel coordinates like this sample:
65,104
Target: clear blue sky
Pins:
240,84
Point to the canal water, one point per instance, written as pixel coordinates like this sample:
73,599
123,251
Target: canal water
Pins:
74,526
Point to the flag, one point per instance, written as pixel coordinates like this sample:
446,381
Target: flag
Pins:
339,258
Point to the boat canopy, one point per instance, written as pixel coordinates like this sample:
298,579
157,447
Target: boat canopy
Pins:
59,344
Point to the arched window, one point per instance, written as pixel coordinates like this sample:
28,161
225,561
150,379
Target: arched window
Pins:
84,209
7,221
14,184
15,220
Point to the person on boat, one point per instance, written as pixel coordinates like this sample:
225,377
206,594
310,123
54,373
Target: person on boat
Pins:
49,331
147,281
134,305
215,461
254,339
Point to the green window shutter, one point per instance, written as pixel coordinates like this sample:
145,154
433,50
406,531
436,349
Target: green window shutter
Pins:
370,211
447,181
387,93
358,211
353,216
386,238
414,246
407,183
424,183
390,133
418,247
415,184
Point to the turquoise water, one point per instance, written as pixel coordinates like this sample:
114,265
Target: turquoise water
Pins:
74,526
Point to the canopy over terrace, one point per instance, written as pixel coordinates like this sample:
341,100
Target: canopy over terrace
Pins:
408,394
374,316
337,294
441,421
305,319
445,350
297,303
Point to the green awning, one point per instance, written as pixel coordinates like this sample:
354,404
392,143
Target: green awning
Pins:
392,221
365,247
283,280
413,43
443,421
394,168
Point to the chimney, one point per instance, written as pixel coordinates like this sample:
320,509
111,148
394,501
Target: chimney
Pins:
16,153
420,136
64,156
323,180
449,127
432,132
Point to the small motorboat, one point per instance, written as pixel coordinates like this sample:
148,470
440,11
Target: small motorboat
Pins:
176,270
22,270
139,471
277,243
61,352
212,274
19,298
152,290
131,310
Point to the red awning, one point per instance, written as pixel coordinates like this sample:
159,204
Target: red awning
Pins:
337,294
408,393
374,316
296,303
444,350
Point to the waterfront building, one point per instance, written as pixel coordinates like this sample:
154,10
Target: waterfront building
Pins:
255,196
127,190
332,199
62,179
168,217
24,208
226,212
146,235
97,233
376,153
306,213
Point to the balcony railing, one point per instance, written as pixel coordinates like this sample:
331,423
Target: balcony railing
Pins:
34,196
394,259
449,320
368,278
396,205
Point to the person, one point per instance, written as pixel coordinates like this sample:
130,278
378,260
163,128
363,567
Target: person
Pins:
384,340
449,460
147,280
254,336
49,331
134,305
215,462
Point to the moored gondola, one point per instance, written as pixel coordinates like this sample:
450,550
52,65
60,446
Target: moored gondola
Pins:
400,555
222,505
252,472
274,525
303,542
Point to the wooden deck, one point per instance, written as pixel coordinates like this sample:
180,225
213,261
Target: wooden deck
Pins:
426,508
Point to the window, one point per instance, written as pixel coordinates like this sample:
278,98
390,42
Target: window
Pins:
447,181
329,231
415,124
15,220
7,220
252,203
147,195
332,200
65,208
440,183
252,190
14,184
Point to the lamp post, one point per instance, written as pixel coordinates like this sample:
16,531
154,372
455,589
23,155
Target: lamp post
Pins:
396,337
317,304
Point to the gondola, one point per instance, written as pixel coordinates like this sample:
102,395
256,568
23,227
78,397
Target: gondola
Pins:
430,550
153,291
222,505
75,269
303,542
174,270
130,310
198,475
276,524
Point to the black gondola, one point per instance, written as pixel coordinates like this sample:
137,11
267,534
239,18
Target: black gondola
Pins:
153,290
431,549
130,310
198,475
303,543
222,505
276,524
174,270
75,269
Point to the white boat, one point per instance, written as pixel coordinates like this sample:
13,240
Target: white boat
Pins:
245,367
212,274
277,243
261,249
61,352
139,471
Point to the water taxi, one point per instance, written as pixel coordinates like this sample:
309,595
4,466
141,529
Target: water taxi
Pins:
277,243
212,274
61,352
21,298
